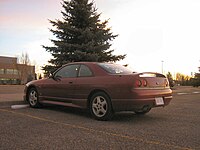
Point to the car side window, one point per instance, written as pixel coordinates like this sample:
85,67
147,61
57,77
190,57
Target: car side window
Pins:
84,71
69,71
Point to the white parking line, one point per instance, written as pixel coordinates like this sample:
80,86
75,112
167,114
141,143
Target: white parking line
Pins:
182,93
195,92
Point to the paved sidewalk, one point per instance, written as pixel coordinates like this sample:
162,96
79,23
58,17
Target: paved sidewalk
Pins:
11,97
11,94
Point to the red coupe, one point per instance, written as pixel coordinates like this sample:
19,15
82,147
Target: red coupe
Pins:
103,88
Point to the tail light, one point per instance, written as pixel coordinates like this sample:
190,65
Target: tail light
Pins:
144,83
141,83
138,83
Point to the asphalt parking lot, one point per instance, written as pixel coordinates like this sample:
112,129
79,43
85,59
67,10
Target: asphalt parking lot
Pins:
176,126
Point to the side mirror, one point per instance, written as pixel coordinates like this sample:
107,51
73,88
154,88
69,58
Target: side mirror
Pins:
50,75
56,78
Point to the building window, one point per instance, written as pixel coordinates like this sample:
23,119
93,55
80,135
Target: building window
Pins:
1,71
15,71
9,81
12,71
9,71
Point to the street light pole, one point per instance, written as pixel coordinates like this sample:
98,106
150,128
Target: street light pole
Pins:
199,67
162,66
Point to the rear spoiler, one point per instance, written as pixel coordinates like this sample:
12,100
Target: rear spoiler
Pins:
151,74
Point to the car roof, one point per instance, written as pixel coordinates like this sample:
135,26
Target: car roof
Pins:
85,62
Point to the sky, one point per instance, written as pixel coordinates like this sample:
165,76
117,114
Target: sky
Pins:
156,35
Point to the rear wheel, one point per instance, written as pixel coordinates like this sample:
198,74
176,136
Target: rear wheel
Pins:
33,98
100,106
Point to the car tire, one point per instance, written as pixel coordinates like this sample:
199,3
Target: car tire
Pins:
143,111
101,107
33,98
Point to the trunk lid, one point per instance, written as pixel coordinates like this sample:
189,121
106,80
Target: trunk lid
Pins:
151,80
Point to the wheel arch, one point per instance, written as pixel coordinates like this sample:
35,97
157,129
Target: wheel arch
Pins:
28,89
95,91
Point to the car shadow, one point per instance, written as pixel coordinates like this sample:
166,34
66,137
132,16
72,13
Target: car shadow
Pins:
125,116
130,116
69,110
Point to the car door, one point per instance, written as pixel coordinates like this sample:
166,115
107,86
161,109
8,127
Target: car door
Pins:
84,82
61,86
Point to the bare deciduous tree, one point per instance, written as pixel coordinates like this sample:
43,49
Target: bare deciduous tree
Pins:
23,72
24,59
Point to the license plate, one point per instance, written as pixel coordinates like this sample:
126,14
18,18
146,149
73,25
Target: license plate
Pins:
159,101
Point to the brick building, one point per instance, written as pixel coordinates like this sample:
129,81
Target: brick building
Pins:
13,73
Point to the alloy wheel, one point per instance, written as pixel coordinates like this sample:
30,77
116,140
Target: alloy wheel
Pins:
33,98
99,106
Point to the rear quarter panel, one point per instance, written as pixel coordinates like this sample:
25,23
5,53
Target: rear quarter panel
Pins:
116,86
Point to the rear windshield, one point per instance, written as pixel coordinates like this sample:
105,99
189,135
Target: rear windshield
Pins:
115,68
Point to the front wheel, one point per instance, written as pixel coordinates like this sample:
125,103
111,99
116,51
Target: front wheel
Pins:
33,98
101,107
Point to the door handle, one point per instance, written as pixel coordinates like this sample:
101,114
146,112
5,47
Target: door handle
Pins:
70,82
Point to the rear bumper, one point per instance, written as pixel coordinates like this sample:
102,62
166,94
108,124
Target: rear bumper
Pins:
141,99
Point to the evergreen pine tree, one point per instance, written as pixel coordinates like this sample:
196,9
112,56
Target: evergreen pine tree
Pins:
81,36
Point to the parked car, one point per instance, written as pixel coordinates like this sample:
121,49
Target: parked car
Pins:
103,88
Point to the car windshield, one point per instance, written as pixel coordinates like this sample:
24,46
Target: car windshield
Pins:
115,68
